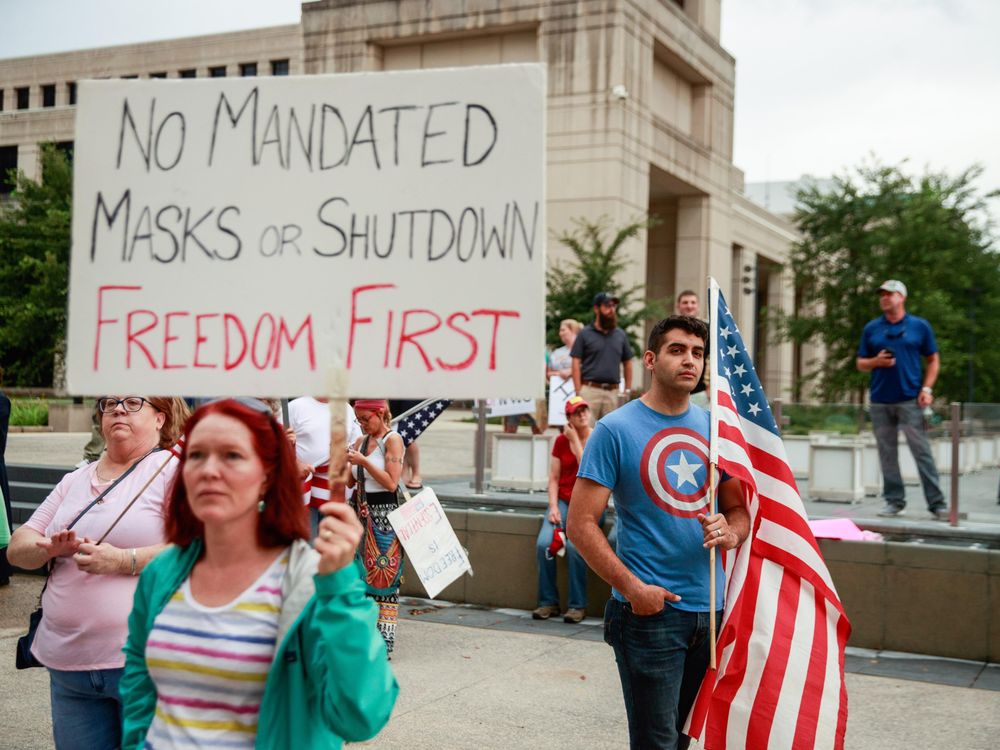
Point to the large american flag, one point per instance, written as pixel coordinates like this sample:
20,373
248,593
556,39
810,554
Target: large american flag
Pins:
780,676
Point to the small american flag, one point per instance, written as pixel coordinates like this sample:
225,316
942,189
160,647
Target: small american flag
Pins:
780,676
177,448
413,422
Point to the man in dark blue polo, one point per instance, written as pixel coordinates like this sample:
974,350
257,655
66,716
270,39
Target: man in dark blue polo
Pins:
602,357
894,348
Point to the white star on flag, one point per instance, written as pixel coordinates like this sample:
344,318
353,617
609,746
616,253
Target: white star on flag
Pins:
747,389
740,370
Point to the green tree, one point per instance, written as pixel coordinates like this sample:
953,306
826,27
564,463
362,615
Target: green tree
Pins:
879,223
34,262
595,266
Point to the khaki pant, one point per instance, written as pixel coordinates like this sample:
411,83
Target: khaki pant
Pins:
601,401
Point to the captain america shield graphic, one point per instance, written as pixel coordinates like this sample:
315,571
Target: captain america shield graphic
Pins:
674,471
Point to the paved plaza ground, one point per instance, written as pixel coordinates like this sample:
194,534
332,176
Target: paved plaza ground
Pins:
482,679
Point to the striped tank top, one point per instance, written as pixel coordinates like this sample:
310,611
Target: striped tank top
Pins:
209,664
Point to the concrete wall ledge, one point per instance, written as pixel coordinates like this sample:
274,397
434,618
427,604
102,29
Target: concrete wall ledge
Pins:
915,598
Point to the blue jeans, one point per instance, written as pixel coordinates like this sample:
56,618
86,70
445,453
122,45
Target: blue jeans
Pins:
887,421
86,709
662,660
548,591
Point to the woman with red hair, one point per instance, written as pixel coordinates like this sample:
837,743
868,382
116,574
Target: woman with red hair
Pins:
242,634
377,458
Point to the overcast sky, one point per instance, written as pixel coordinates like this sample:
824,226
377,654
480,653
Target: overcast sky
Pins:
820,83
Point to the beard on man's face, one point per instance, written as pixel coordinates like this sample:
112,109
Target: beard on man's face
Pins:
608,321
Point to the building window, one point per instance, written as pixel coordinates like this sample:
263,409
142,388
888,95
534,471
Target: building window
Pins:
248,69
49,95
67,149
279,67
189,73
8,161
158,75
1,100
23,97
130,77
71,92
219,71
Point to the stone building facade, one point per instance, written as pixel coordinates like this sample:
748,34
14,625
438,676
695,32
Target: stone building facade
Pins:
640,119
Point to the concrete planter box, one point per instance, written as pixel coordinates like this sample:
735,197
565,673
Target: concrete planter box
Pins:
520,462
835,471
987,452
942,455
797,449
871,469
907,466
70,417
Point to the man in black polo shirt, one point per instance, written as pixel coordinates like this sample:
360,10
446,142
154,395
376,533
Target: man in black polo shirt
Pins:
601,357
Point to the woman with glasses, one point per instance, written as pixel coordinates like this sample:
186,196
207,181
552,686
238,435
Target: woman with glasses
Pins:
243,634
377,461
93,572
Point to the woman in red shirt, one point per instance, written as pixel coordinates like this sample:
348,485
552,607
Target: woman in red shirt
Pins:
566,454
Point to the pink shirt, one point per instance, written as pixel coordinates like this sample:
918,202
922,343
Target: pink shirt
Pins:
86,615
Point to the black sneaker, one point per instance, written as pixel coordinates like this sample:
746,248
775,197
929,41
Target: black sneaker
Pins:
891,511
940,513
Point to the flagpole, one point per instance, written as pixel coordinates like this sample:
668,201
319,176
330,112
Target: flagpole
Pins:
713,450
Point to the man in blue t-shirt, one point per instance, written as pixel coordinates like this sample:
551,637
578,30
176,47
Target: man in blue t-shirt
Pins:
893,349
653,453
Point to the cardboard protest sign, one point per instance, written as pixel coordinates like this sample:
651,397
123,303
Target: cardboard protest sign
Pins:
263,236
561,390
508,407
432,548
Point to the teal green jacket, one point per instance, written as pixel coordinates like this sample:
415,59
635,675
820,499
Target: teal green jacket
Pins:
329,681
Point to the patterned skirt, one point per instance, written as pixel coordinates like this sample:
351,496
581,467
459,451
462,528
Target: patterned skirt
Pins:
382,556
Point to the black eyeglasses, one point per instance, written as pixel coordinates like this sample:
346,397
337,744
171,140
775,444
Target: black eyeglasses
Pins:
129,403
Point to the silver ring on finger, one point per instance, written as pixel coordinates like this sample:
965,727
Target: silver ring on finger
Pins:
718,532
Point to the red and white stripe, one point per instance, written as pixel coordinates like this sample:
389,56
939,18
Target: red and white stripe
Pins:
780,676
318,485
177,448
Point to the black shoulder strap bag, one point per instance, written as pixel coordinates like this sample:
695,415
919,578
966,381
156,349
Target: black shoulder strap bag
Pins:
24,658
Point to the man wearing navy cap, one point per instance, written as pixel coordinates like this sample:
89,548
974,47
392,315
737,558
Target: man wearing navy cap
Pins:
600,352
894,349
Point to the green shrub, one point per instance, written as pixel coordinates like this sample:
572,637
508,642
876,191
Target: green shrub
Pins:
29,412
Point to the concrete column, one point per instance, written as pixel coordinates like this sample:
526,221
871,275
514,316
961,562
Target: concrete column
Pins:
28,160
781,297
702,247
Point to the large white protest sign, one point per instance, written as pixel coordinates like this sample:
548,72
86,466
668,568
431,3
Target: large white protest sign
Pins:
432,549
561,390
263,236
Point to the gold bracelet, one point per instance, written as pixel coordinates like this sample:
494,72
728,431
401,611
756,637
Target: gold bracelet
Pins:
133,561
